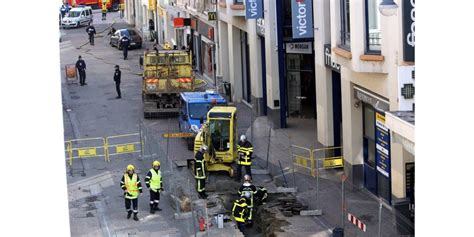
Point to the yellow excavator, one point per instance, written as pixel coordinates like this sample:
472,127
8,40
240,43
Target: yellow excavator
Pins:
219,134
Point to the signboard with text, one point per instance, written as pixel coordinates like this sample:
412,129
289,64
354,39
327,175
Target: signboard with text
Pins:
302,18
253,9
300,47
328,59
382,145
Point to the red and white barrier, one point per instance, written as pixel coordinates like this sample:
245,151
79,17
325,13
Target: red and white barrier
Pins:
356,222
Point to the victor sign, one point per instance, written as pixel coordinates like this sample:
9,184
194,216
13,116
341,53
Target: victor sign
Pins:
253,9
302,18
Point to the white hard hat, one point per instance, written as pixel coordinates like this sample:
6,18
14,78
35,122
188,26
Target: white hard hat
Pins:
243,138
247,177
204,148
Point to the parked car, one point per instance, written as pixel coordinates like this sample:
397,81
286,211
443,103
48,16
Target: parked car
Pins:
135,38
77,16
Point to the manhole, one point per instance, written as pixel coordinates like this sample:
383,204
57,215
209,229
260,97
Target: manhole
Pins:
75,97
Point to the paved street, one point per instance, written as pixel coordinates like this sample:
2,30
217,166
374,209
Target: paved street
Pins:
95,198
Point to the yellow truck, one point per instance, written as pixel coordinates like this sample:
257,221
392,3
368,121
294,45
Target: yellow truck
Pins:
219,133
166,73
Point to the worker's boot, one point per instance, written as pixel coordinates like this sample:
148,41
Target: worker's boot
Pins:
135,216
152,209
129,214
156,207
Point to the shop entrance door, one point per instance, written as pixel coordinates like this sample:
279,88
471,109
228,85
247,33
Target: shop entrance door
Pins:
301,89
337,110
370,173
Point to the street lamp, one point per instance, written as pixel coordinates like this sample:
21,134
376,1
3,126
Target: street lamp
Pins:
388,7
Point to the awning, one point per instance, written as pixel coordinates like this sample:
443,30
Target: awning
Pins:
402,124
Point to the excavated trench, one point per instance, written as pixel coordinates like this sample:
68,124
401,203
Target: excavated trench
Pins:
269,218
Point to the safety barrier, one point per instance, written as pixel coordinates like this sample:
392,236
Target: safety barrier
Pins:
316,159
86,148
303,158
103,147
328,158
124,144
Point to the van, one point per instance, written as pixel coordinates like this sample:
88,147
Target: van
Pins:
77,16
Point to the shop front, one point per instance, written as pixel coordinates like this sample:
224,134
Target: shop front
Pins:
376,143
203,47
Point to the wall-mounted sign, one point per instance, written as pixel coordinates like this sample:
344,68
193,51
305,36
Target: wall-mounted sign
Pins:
253,9
409,30
206,30
382,145
261,27
302,18
406,88
212,16
181,22
328,59
376,101
299,47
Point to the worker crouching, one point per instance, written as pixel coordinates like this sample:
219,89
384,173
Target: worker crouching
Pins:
240,213
132,188
154,182
248,190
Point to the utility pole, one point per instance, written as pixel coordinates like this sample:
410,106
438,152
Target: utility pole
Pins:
217,69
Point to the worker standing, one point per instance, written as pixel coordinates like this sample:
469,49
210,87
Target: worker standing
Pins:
245,151
117,79
124,43
240,212
91,32
200,171
81,67
248,190
104,11
121,8
132,187
154,182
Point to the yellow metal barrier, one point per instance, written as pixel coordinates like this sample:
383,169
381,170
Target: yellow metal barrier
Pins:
303,158
329,160
86,148
123,144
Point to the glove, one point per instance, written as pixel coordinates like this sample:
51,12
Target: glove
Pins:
125,193
161,189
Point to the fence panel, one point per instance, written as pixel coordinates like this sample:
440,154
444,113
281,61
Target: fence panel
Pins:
303,159
85,148
124,144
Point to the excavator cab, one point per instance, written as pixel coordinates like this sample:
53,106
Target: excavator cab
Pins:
219,133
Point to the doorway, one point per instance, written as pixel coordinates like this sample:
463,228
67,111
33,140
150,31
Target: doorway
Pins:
337,110
301,87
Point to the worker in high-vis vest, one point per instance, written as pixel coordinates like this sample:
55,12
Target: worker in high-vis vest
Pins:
200,171
240,213
132,188
154,182
245,151
248,190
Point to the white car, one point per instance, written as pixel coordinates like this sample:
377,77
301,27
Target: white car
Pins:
77,16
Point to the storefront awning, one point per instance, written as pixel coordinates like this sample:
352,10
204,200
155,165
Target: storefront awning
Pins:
402,124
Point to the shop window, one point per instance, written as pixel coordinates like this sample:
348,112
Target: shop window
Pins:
207,60
373,35
345,25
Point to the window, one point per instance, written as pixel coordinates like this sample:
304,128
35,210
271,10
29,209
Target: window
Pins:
198,111
372,27
345,25
239,1
220,132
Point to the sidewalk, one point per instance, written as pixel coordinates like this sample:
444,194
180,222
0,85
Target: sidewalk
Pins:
359,202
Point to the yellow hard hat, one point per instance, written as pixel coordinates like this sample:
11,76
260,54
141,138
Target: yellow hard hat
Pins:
130,167
156,163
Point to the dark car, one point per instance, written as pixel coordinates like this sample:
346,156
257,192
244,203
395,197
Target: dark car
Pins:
135,39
